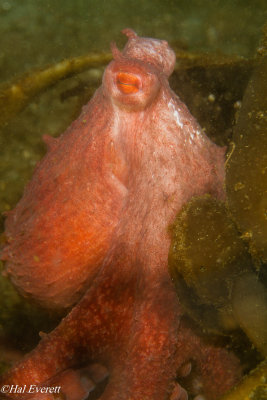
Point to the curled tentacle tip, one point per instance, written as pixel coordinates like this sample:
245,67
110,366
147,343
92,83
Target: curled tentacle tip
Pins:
129,33
115,51
179,393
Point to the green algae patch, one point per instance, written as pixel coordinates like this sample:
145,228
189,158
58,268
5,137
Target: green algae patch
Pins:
213,272
206,250
246,168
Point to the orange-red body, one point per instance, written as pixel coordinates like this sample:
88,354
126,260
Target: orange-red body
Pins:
92,227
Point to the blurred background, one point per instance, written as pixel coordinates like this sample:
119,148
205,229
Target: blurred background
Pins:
36,32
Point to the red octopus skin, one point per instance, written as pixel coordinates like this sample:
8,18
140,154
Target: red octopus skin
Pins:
92,229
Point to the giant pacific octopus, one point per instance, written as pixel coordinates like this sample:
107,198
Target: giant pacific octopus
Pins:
92,229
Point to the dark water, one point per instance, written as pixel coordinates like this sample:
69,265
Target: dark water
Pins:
36,32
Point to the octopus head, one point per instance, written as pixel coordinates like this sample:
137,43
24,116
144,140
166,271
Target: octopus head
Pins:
134,78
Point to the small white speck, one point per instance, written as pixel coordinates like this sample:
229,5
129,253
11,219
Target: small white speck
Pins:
176,115
211,98
237,105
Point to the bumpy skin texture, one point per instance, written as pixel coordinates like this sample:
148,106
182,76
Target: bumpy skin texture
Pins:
94,222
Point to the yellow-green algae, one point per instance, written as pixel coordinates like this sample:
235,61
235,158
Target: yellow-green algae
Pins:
218,250
246,169
207,250
252,387
208,254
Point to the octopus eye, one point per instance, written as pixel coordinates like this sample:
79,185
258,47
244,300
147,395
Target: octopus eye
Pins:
128,83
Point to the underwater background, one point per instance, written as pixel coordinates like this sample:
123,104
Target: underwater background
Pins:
36,32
